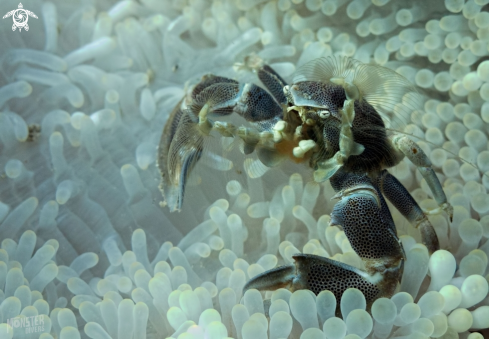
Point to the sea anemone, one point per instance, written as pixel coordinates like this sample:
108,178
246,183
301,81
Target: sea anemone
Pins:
85,242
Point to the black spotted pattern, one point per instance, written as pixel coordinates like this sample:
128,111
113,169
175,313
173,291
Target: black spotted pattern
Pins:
337,279
369,131
258,105
368,127
399,196
273,82
325,94
344,180
331,135
369,228
209,80
222,97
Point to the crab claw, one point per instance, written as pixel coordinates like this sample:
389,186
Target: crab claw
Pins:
279,277
318,274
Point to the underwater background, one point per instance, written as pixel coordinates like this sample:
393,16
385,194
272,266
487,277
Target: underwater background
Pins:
85,241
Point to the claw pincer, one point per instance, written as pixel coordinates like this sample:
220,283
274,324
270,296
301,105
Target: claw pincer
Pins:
317,274
364,216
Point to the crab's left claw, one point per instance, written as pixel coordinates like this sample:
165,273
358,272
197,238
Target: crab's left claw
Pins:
317,274
180,148
279,277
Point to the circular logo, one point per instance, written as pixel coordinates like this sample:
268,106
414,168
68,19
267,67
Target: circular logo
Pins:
20,17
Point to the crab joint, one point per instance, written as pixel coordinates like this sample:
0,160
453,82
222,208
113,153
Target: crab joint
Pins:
248,135
225,129
204,125
360,190
304,146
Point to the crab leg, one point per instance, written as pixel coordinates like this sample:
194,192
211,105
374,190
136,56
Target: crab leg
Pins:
184,139
409,208
416,155
273,82
252,102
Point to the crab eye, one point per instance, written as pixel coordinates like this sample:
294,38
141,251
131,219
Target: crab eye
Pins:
324,114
